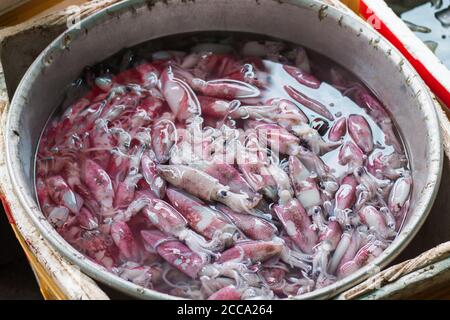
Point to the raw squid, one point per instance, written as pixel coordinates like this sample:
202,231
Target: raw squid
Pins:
224,171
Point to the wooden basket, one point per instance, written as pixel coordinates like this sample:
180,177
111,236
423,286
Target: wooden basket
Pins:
422,270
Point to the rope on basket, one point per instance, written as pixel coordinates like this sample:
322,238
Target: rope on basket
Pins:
393,273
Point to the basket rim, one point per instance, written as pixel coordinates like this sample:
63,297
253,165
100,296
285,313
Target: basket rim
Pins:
101,274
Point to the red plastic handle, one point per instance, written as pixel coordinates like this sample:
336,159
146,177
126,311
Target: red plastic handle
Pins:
438,88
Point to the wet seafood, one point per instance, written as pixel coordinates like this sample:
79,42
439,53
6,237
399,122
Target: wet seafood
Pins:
221,171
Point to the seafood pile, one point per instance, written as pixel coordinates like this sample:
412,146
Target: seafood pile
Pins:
226,170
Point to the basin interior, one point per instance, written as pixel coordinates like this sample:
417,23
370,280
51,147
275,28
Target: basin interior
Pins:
324,30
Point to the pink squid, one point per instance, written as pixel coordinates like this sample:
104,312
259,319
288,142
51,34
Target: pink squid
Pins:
308,102
227,293
200,217
351,155
254,251
174,252
62,194
360,131
345,198
124,240
376,222
297,224
302,77
378,113
179,96
163,136
399,194
204,186
151,176
255,228
100,184
338,130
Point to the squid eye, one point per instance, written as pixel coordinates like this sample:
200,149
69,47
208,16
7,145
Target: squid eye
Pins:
114,150
360,171
321,125
321,185
223,193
